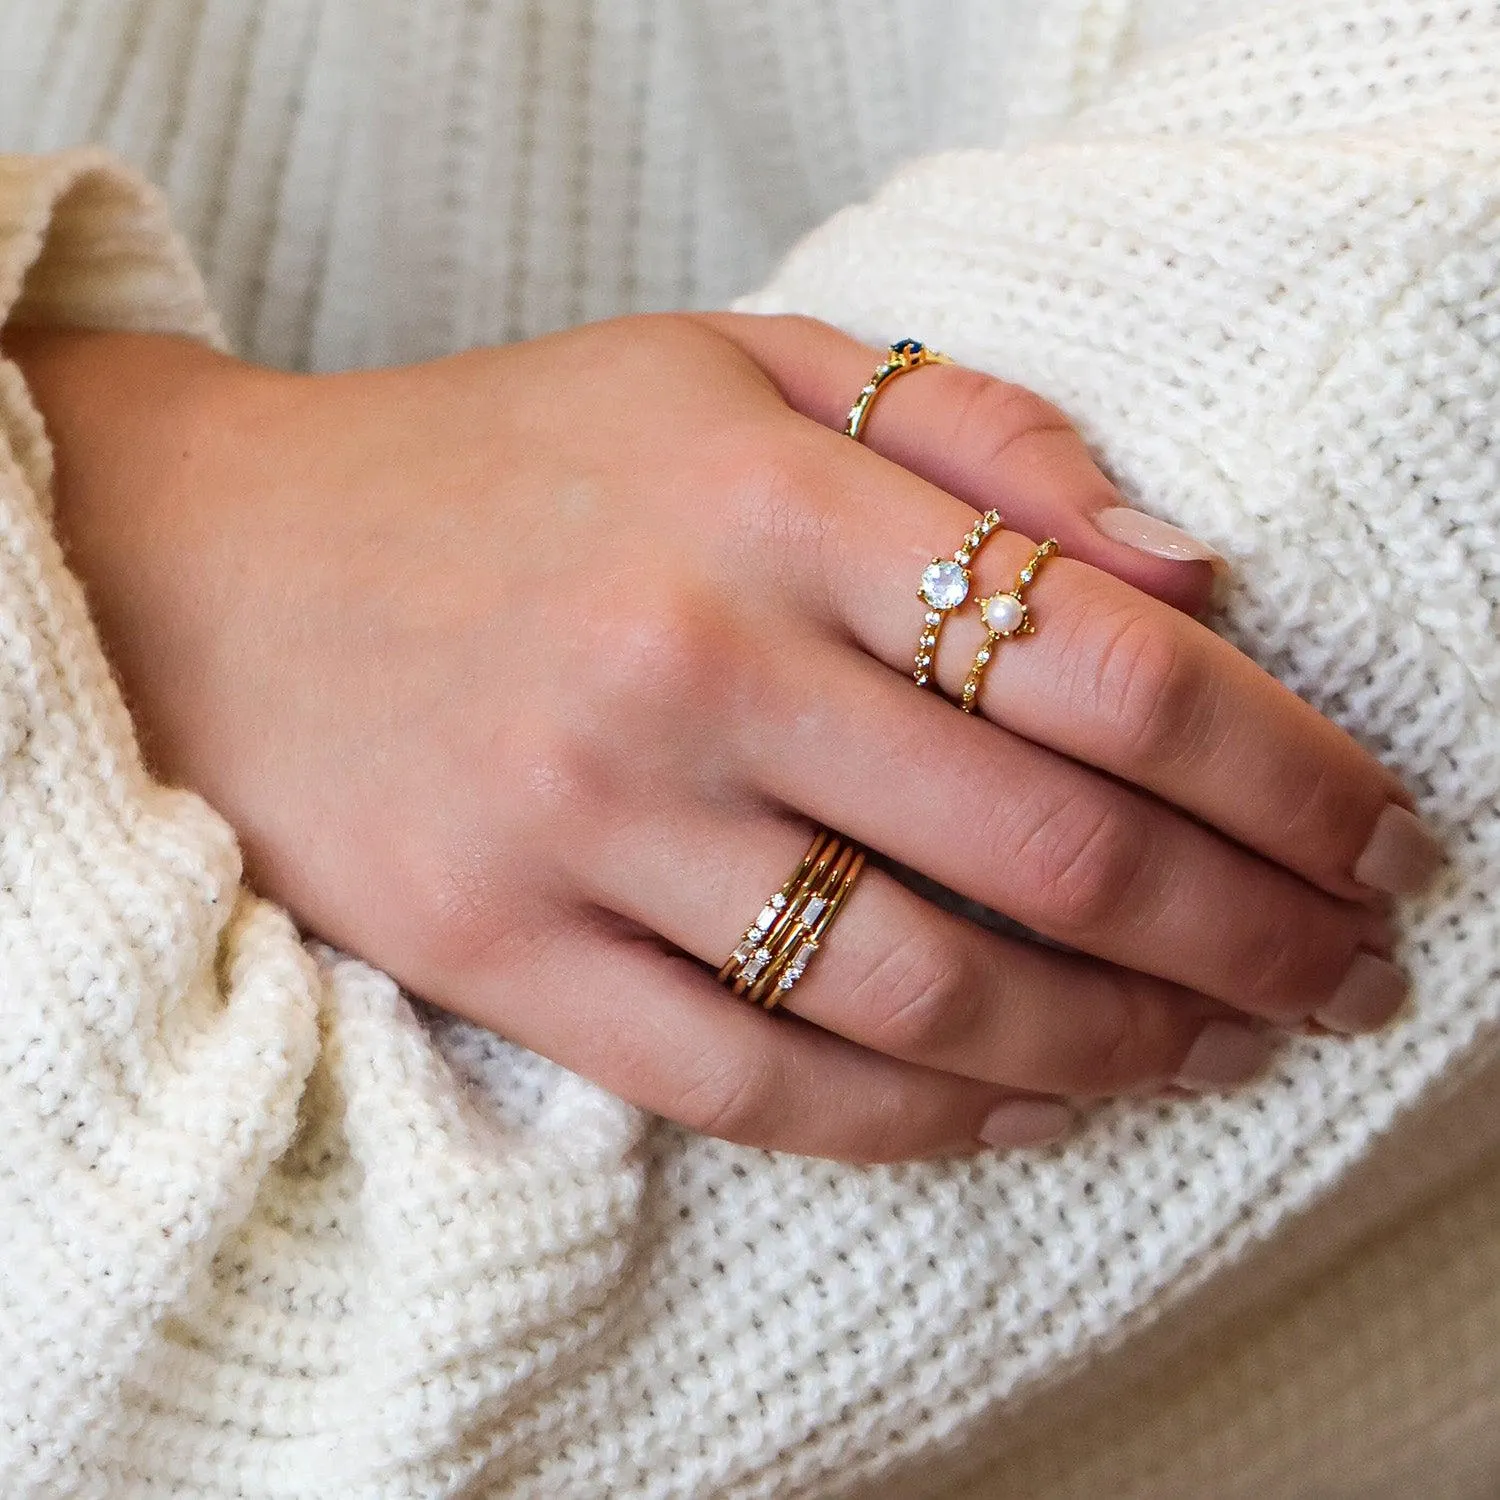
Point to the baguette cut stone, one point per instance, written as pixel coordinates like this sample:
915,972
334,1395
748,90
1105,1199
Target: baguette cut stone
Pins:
757,966
798,966
944,585
816,906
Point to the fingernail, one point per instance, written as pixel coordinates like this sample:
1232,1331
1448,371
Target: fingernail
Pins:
1371,993
1157,537
1224,1056
1402,857
1027,1122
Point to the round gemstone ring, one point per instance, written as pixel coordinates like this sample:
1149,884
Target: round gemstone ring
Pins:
945,585
904,355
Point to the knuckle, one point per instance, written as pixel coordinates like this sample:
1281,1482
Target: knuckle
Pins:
1275,959
735,1100
1154,691
922,999
652,650
1083,859
991,416
780,503
1109,1057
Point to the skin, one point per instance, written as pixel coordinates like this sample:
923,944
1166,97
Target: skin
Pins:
527,673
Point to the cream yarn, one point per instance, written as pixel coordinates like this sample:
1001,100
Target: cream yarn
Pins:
270,1230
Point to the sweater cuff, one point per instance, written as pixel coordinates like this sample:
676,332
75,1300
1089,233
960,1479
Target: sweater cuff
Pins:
85,243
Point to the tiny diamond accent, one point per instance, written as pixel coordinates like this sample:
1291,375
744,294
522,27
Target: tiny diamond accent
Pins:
1027,575
965,557
934,618
983,658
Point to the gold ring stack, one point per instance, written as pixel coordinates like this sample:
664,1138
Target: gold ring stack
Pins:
945,586
1004,615
904,355
783,940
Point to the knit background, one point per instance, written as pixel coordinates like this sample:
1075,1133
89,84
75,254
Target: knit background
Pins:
271,1230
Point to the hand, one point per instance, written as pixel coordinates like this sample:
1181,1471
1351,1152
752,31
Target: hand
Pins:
526,674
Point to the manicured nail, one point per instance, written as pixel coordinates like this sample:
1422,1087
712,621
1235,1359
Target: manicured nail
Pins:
1224,1056
1158,538
1402,857
1371,993
1027,1122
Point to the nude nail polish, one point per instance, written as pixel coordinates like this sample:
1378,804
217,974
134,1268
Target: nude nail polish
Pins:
1154,536
1027,1122
1403,855
1225,1055
1371,994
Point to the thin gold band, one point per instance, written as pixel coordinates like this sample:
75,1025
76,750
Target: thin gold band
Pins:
1005,614
783,940
904,355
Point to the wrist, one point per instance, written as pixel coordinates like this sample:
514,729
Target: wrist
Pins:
147,432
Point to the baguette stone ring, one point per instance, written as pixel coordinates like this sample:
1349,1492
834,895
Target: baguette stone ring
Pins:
782,941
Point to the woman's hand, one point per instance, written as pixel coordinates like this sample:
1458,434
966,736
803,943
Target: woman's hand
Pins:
526,675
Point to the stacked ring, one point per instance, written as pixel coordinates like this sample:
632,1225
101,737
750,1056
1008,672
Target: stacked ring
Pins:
783,940
945,586
904,355
1005,615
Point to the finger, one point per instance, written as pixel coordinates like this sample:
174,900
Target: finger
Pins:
1113,679
654,1028
897,975
986,441
1077,856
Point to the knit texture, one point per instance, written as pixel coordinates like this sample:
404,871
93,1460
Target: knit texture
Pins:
270,1229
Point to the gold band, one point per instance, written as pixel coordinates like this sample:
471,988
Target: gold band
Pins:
782,941
904,355
1005,615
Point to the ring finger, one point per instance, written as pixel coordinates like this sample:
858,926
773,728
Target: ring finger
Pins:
901,977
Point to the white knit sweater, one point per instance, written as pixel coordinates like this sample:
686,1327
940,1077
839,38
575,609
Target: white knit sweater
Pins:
267,1229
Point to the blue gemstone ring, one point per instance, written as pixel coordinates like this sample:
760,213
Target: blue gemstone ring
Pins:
904,355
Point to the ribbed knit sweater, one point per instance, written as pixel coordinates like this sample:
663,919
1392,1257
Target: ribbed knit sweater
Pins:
269,1228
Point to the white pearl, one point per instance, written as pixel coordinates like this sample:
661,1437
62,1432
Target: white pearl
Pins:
1004,614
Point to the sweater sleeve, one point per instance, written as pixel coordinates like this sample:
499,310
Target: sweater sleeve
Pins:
156,1022
268,1229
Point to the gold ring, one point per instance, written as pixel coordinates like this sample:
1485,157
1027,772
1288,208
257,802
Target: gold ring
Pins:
904,355
783,940
945,586
1005,615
